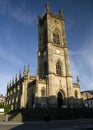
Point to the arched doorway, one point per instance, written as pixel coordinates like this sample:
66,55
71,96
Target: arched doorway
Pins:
59,100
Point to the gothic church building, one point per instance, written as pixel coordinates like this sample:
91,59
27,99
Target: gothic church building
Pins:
52,84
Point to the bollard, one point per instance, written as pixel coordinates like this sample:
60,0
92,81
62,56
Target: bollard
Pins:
6,118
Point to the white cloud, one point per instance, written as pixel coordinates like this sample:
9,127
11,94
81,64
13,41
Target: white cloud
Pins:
20,13
75,53
23,15
3,6
4,78
89,54
11,57
82,65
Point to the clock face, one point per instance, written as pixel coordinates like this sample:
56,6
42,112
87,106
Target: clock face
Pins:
57,51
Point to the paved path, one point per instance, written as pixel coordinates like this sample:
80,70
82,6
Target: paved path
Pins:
80,124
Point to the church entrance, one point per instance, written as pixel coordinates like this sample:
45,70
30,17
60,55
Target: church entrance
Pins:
59,100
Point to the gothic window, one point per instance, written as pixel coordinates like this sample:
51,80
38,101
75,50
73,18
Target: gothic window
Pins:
14,90
76,94
16,99
43,92
8,94
18,87
58,68
56,38
12,100
11,92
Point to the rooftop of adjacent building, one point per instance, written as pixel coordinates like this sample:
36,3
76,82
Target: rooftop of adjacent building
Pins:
88,91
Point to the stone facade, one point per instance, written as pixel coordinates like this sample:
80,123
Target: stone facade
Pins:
17,90
52,84
53,59
2,99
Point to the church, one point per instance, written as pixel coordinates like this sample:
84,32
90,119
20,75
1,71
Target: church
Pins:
52,86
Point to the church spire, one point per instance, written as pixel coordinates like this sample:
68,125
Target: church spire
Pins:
8,85
78,80
61,13
16,78
47,8
13,81
28,70
20,74
24,73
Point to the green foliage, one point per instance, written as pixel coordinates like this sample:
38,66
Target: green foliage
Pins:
1,105
6,108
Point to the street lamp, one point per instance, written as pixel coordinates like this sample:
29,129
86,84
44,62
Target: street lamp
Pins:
46,112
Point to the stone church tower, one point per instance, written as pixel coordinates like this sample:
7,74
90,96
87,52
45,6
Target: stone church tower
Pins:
53,59
52,84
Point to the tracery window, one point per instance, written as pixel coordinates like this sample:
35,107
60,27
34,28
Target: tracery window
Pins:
58,68
18,87
43,92
56,38
76,94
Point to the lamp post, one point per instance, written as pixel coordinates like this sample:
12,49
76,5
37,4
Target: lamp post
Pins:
46,112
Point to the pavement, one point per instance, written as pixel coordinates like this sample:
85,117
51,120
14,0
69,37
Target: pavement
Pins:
79,124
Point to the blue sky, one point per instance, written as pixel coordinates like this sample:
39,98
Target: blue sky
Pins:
19,37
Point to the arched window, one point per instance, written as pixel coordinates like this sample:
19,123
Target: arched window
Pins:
76,94
56,38
59,99
43,92
58,68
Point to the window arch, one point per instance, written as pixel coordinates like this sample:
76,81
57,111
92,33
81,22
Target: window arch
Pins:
59,68
43,92
56,38
76,94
